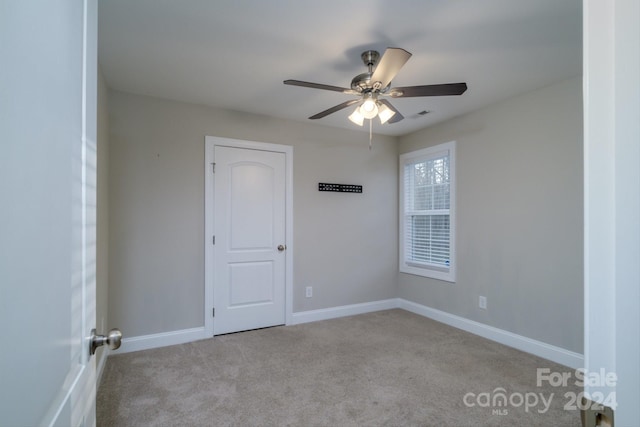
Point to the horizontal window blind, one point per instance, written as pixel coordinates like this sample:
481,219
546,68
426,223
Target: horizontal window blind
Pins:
428,239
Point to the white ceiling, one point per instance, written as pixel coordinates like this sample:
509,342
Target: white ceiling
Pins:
235,54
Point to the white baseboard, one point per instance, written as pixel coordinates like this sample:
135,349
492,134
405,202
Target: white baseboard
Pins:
538,348
342,311
528,345
146,342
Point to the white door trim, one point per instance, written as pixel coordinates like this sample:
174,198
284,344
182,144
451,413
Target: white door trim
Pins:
210,143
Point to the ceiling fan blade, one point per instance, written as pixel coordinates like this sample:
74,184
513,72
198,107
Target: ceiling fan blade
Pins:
397,116
319,86
334,109
428,90
391,62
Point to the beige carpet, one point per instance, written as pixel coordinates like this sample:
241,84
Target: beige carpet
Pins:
390,368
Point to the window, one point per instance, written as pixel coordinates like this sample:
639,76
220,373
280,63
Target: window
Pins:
427,212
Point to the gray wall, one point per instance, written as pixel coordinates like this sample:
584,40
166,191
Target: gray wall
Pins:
102,231
519,217
345,245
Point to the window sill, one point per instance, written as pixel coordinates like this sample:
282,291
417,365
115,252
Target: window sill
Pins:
439,274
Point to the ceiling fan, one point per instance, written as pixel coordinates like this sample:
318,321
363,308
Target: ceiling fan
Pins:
373,87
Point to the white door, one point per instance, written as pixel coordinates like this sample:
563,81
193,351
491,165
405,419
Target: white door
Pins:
47,215
249,227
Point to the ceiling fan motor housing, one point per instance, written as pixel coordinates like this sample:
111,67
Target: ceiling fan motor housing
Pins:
361,82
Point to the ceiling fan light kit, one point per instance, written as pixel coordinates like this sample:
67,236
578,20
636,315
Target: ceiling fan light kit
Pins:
356,117
369,107
385,113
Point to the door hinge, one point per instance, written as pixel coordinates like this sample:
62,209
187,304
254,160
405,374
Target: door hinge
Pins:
213,167
213,312
213,240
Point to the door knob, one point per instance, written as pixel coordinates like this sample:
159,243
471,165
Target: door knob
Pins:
113,339
282,247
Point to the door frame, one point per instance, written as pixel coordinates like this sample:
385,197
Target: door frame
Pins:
209,220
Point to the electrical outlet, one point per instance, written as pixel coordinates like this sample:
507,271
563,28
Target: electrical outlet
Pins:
309,292
482,302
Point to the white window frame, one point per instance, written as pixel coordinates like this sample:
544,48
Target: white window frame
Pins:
406,266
